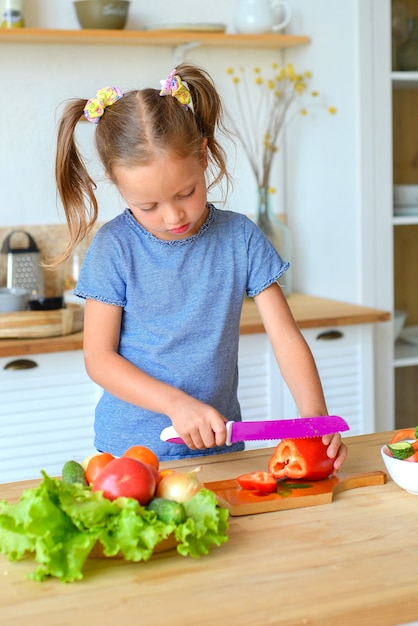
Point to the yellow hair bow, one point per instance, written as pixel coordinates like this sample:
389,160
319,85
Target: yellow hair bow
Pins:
174,86
95,107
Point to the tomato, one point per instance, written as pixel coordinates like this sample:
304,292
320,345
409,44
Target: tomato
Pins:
301,458
404,433
96,464
128,478
165,472
144,454
155,473
264,482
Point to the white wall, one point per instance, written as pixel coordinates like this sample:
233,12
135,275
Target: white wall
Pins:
322,200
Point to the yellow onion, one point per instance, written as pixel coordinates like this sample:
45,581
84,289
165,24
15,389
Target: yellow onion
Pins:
179,486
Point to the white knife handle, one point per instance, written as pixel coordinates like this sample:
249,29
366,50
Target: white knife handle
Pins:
228,425
170,434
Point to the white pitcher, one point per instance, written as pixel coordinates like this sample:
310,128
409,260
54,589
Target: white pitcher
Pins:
261,16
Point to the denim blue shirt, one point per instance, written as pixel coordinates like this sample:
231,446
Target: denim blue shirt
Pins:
181,304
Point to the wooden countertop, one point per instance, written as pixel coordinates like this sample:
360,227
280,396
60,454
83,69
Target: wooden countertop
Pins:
309,312
348,562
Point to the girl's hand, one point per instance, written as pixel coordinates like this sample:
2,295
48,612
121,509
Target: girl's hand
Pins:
336,449
198,424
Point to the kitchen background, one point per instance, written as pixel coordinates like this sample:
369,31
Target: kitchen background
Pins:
334,174
37,79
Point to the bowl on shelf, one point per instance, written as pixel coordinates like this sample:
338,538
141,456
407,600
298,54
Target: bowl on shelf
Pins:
399,319
403,473
107,14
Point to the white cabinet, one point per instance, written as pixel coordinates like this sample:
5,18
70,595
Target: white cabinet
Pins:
46,415
47,410
344,357
260,389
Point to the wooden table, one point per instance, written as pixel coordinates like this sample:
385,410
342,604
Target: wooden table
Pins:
349,562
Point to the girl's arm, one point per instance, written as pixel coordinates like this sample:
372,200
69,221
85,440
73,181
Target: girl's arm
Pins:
296,362
198,424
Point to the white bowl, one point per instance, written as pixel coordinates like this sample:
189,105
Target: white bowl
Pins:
403,473
13,299
398,323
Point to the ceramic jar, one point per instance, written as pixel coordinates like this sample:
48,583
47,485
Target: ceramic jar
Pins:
261,16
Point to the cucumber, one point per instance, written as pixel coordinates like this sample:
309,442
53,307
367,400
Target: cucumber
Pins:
168,511
73,472
401,449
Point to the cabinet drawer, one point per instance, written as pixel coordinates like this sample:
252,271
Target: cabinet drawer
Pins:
344,357
47,414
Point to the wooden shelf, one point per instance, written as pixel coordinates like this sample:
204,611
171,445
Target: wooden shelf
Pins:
148,38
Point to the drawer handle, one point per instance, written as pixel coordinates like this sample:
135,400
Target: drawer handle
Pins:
328,335
20,364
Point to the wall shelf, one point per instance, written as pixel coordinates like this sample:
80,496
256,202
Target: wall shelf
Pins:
148,38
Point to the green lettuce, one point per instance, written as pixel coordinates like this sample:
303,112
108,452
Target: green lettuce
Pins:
60,523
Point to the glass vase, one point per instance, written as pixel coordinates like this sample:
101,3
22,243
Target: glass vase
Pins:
278,234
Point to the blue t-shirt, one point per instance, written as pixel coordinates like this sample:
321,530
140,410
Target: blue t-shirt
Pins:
181,304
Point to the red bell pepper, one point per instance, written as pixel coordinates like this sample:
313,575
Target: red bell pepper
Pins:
301,458
262,482
404,433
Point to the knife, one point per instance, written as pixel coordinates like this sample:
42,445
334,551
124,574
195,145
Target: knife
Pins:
272,429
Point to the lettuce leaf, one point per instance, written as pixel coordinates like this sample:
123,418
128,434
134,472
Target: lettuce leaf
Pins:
60,523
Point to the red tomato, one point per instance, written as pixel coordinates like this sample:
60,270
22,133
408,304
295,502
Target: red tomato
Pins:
96,464
301,458
128,478
258,481
155,473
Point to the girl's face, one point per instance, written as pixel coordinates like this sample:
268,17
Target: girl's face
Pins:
168,197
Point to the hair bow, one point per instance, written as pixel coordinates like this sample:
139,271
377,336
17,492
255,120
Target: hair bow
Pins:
174,86
95,107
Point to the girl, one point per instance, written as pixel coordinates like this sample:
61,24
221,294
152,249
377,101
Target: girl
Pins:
164,281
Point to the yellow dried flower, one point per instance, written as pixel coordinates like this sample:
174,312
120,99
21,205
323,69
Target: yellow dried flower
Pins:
266,111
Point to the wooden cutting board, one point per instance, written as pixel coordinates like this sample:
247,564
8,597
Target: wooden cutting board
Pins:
291,494
37,324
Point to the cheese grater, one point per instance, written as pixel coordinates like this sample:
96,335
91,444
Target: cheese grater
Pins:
23,265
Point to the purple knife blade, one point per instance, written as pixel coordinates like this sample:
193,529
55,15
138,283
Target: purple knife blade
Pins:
273,429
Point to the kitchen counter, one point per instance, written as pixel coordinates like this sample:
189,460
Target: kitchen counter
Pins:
348,562
309,312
